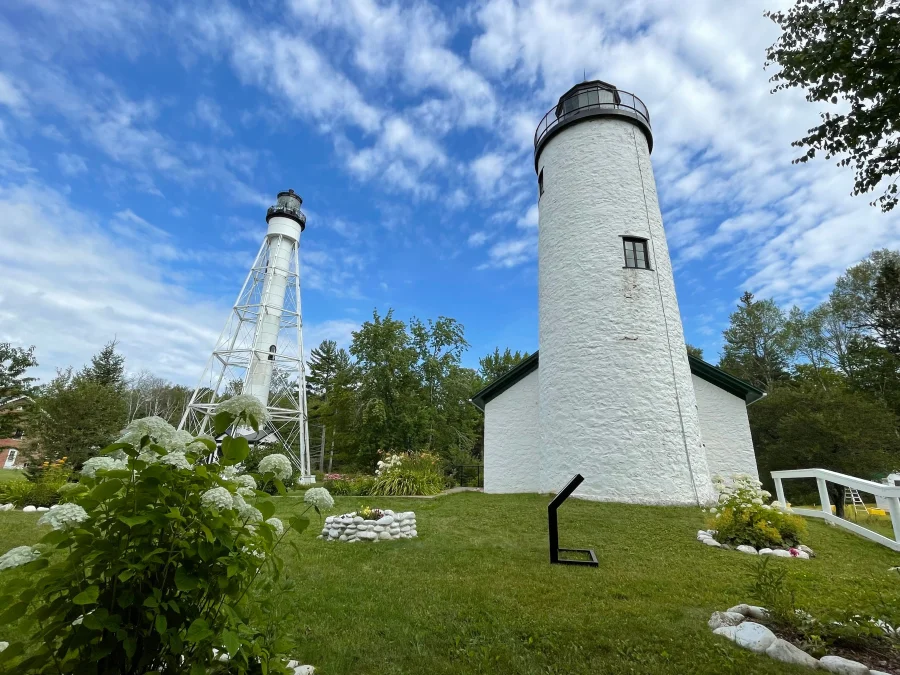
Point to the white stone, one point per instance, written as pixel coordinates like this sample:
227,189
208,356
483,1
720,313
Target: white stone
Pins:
29,509
343,537
784,651
384,520
7,507
378,528
42,508
334,533
358,519
837,664
369,536
755,612
740,609
719,619
749,635
747,549
370,523
765,551
384,535
807,549
711,542
321,536
781,553
329,520
304,670
413,533
803,555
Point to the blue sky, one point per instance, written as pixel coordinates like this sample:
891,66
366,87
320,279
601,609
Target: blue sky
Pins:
141,142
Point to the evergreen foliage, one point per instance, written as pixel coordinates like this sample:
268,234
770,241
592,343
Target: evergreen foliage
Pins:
14,382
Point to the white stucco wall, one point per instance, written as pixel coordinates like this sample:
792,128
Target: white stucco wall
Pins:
726,430
512,439
616,400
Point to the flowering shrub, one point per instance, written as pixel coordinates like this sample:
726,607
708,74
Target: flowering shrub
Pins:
418,473
742,516
278,465
153,557
319,498
40,487
368,513
334,476
392,461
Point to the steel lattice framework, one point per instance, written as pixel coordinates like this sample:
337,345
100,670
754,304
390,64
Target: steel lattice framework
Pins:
260,350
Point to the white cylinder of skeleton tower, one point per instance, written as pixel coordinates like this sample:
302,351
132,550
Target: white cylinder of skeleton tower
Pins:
616,402
286,222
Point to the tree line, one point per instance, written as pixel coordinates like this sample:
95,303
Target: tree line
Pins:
399,387
831,373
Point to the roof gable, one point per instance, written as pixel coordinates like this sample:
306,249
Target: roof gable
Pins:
699,367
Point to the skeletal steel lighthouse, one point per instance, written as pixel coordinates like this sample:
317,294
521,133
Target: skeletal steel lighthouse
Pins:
260,350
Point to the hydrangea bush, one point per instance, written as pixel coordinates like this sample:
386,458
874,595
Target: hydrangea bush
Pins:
742,515
153,554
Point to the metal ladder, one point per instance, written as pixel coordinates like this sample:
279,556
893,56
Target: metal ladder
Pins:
851,497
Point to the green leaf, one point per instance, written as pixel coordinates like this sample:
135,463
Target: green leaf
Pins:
126,575
299,523
11,652
131,521
208,442
150,601
130,645
280,487
184,581
17,611
54,537
267,509
87,597
251,418
106,489
109,449
222,421
237,450
36,565
231,641
199,630
160,624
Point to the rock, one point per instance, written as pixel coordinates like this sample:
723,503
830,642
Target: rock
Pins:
385,520
765,551
329,520
384,535
807,549
711,542
405,528
871,672
321,536
333,533
368,536
7,507
740,609
703,534
758,613
781,553
358,519
412,533
719,619
42,508
749,635
803,555
837,664
748,549
304,670
29,509
343,537
378,528
369,522
784,651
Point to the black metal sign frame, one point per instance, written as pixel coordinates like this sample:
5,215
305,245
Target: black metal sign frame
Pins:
555,550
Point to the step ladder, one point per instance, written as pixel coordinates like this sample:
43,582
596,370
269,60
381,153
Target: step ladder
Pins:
851,497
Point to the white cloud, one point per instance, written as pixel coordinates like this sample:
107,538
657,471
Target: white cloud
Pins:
511,252
209,113
477,239
71,164
10,95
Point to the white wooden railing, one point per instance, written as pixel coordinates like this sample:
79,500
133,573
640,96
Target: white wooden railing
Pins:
889,493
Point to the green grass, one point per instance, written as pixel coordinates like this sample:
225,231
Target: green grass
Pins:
476,594
11,474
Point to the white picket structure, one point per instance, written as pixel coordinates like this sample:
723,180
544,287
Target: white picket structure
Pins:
889,493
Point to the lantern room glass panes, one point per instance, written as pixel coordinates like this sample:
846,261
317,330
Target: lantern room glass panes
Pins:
636,254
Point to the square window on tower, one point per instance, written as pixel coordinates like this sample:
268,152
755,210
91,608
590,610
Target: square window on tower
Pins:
636,254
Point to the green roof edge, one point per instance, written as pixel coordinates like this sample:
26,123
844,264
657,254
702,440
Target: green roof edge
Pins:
699,367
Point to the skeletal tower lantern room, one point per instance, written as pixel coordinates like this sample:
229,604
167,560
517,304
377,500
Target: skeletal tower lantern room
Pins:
260,351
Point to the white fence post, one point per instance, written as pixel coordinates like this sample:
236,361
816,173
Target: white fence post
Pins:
823,495
894,508
779,490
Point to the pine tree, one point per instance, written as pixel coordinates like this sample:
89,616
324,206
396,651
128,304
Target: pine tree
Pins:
107,368
757,343
496,364
325,362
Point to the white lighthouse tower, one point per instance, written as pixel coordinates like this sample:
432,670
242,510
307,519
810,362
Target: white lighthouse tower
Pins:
260,350
616,401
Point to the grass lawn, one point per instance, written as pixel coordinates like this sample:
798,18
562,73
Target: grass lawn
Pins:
11,474
476,594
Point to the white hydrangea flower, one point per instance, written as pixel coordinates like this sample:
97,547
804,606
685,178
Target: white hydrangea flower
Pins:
277,464
254,552
277,524
196,445
20,555
148,456
95,464
245,480
712,509
757,500
244,404
176,459
231,472
320,498
161,432
246,492
218,497
246,511
180,440
64,516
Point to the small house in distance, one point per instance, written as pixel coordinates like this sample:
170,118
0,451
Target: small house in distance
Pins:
612,394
